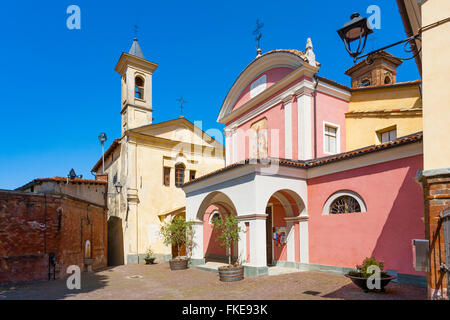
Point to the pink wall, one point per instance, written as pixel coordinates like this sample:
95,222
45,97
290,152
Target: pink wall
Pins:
279,253
272,76
329,109
275,122
210,245
393,218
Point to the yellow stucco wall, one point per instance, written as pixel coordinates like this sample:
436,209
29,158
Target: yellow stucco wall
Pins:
362,127
138,164
436,79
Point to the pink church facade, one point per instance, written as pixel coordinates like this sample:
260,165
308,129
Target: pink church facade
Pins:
302,199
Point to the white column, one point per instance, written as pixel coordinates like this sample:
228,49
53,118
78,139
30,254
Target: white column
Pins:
197,249
290,241
242,245
258,256
288,129
304,127
235,146
304,241
227,147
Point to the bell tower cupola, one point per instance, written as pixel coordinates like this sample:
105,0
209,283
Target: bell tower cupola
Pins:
136,83
378,70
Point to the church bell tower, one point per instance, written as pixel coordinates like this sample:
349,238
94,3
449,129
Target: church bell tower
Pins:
136,82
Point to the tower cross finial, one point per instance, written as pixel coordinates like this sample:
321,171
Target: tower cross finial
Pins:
181,101
136,29
257,33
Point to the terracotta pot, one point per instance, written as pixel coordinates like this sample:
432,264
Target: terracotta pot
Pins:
362,282
232,274
149,260
178,264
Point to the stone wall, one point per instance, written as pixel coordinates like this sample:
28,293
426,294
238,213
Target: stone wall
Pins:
34,225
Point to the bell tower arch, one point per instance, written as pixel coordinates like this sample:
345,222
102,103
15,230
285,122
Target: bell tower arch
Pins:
136,88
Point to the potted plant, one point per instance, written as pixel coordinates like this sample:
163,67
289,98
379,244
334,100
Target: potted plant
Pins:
149,258
177,233
229,233
365,275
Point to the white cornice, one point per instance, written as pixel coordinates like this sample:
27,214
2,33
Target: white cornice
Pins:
304,86
128,59
334,91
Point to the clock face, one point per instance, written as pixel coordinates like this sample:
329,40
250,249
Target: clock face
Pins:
258,86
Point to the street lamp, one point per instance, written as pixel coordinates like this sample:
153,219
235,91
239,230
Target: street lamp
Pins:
356,29
118,187
102,138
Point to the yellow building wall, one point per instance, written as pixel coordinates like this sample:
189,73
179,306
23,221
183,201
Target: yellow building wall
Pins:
362,127
155,198
362,132
138,164
436,81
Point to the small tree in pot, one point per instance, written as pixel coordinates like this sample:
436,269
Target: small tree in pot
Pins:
178,233
229,233
149,256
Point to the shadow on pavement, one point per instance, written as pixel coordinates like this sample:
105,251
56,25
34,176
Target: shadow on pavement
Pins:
53,289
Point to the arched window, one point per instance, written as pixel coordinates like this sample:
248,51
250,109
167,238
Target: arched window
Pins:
387,80
344,202
365,83
179,175
215,215
139,88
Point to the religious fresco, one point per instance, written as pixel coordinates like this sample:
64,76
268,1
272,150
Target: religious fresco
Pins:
258,148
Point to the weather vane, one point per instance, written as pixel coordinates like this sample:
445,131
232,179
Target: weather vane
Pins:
257,33
181,101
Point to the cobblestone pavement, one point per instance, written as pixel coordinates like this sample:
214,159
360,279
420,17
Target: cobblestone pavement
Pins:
158,282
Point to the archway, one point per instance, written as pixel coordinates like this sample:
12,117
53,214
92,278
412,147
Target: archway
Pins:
282,233
219,205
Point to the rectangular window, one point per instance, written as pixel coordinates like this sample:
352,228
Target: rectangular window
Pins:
192,175
166,176
330,139
388,136
179,175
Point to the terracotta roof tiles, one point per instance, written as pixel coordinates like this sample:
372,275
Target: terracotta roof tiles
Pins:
416,137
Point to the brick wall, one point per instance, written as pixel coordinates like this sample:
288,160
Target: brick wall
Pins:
437,198
34,225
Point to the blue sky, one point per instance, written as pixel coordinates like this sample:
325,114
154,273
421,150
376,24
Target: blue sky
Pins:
59,89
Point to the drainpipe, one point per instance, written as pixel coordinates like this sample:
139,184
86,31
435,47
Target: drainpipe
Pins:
315,115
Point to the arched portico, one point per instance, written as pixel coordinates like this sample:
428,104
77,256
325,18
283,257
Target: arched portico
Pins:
248,192
286,229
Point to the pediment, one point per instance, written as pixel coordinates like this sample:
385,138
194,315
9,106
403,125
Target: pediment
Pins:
280,62
180,130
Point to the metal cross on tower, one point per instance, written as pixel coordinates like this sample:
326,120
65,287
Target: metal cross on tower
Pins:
181,101
136,29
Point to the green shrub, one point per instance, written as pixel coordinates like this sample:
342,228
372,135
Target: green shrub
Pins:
229,232
177,233
361,270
